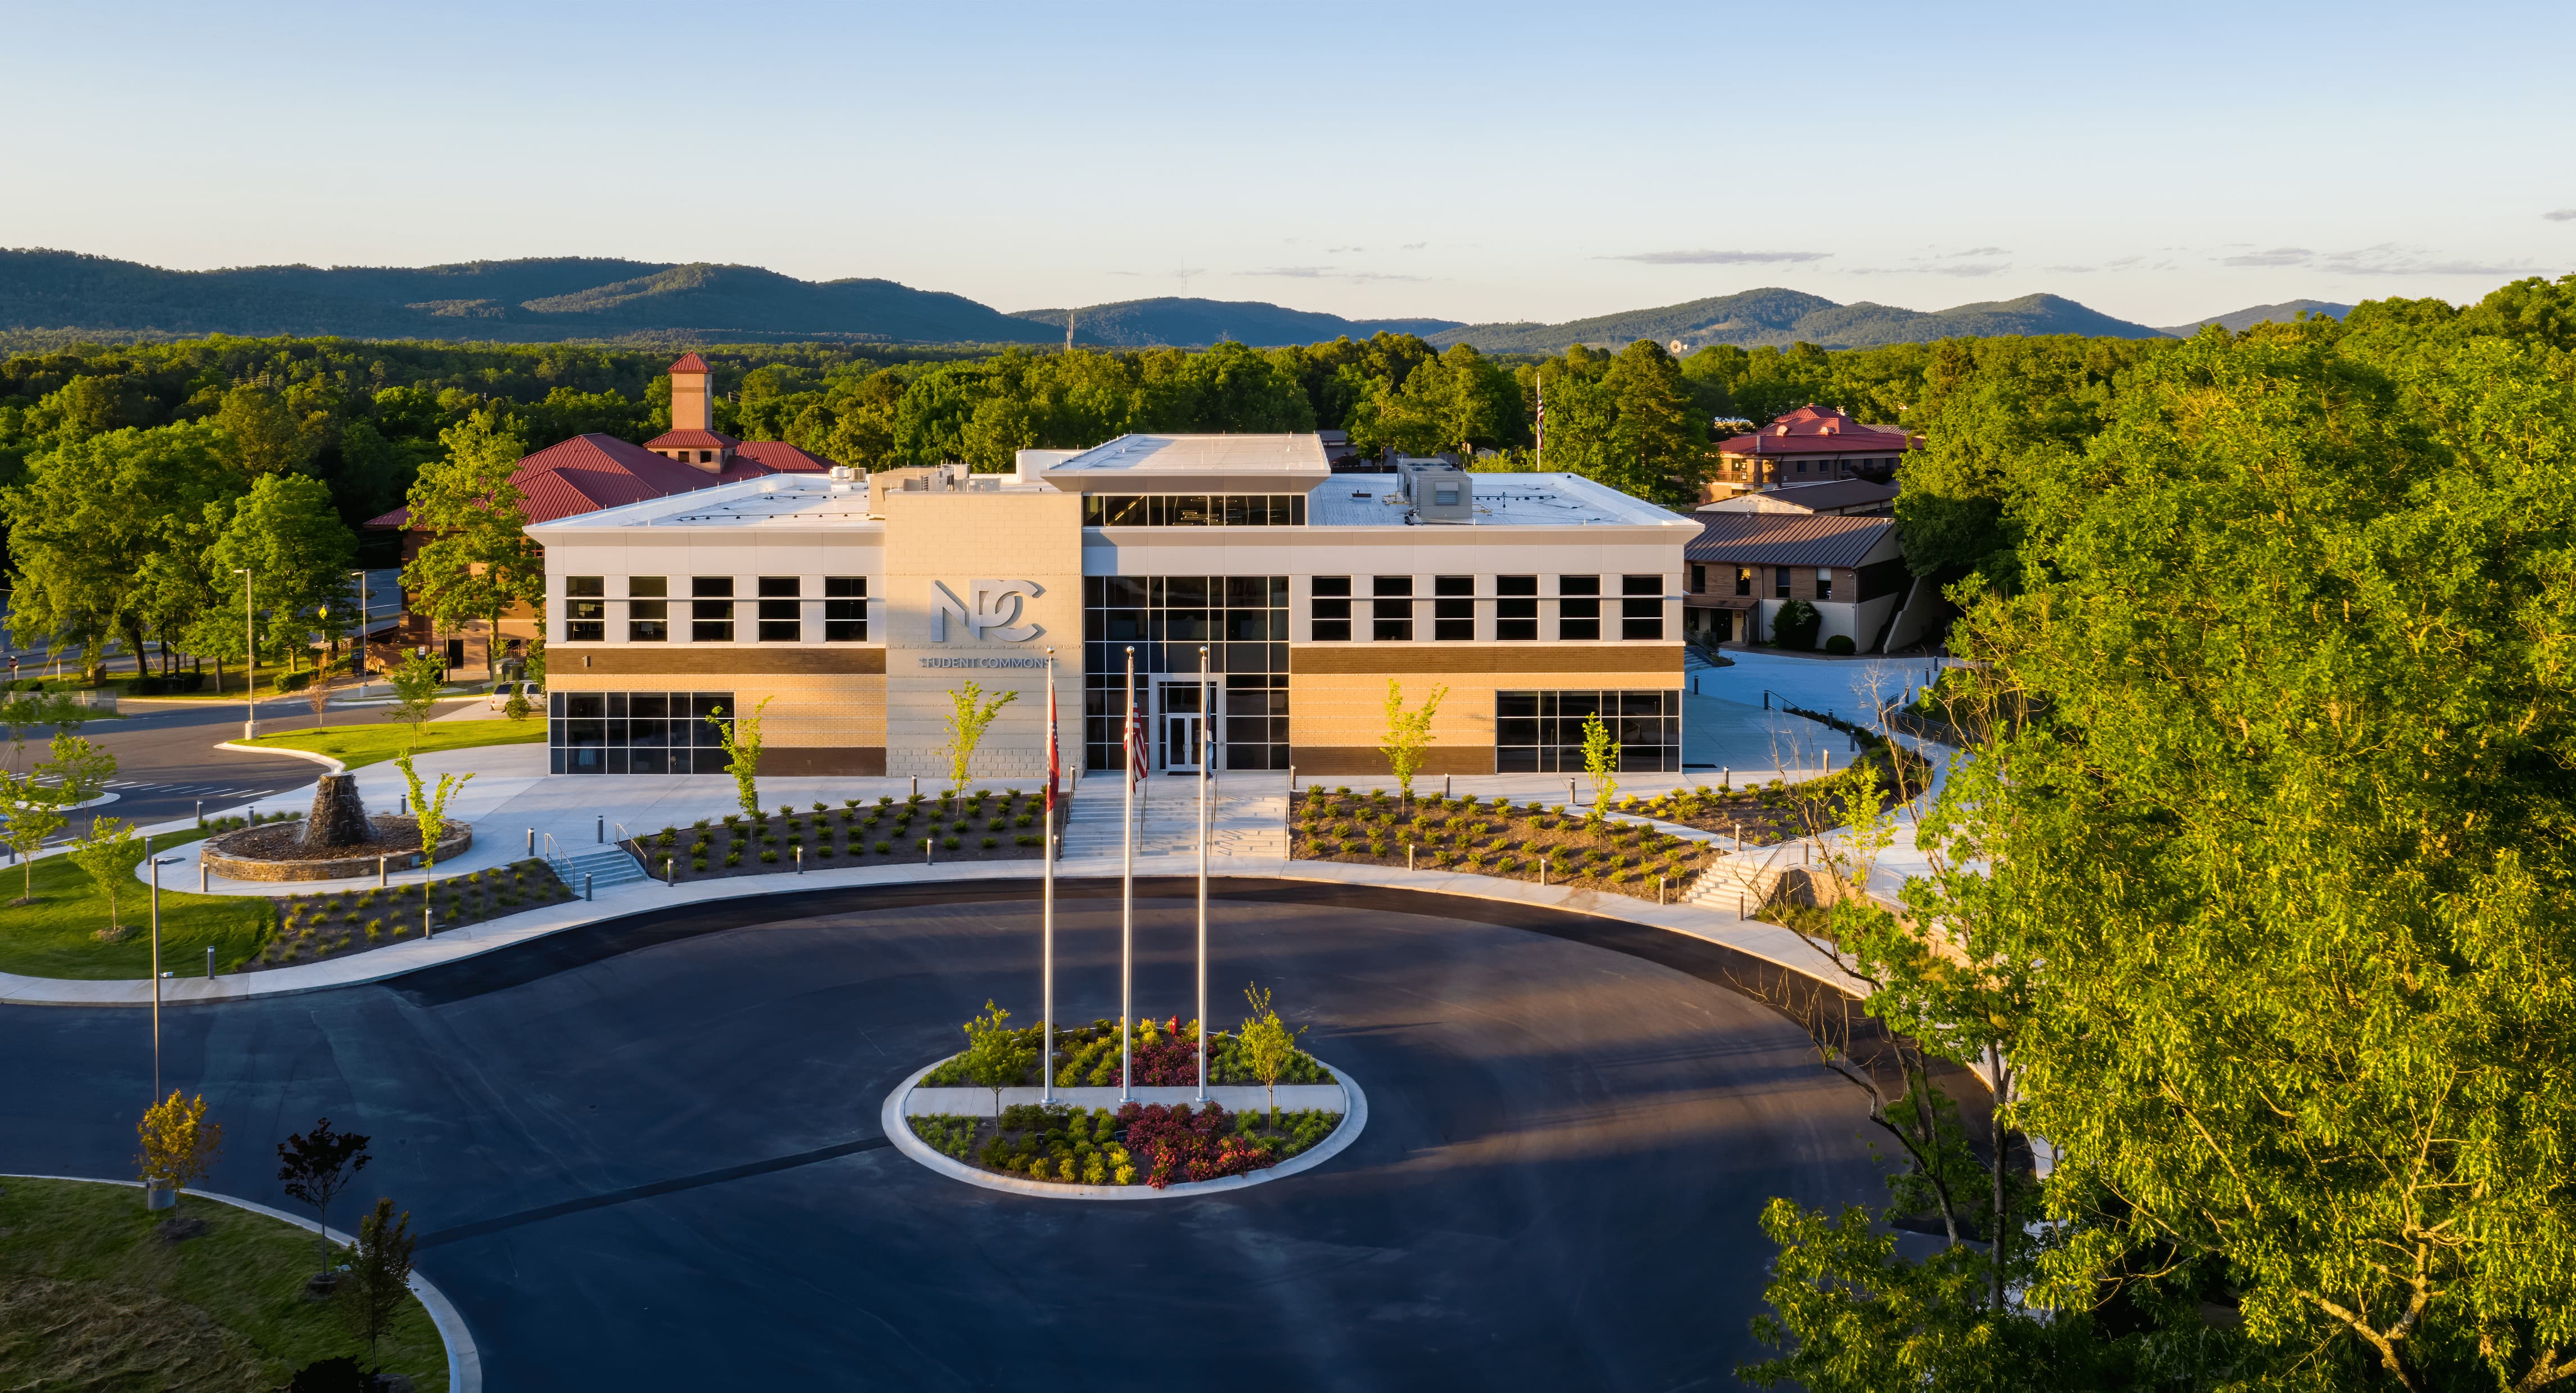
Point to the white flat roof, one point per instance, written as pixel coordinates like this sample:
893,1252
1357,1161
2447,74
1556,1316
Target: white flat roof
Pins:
799,500
1145,461
1502,500
1342,500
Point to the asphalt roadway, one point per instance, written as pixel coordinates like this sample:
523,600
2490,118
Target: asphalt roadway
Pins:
166,760
645,1154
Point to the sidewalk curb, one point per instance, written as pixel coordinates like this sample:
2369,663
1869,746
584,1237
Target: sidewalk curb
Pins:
328,763
464,1360
899,1132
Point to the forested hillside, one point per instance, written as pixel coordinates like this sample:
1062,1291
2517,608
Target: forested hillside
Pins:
542,300
1184,323
1779,318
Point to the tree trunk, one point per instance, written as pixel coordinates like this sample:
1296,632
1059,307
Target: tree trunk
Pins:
1995,1134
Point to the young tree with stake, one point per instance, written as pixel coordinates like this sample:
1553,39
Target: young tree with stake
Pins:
379,1278
971,714
430,808
316,1166
107,856
741,740
995,1055
1408,733
416,681
1269,1045
32,816
178,1144
1601,766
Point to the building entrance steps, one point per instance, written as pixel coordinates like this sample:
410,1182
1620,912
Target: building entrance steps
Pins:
602,868
1747,879
1250,817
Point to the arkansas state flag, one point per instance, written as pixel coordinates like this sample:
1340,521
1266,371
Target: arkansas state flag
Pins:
1135,745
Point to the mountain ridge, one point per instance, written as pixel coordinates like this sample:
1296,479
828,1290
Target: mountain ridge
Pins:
2238,321
1777,317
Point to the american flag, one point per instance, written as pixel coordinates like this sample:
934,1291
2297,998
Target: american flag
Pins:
1055,770
1135,744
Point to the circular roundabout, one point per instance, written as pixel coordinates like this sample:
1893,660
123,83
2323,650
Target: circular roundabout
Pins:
665,1151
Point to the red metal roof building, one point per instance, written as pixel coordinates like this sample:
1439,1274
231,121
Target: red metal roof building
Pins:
591,472
1745,566
1809,445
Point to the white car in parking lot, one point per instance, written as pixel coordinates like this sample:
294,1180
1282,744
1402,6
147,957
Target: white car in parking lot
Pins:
535,692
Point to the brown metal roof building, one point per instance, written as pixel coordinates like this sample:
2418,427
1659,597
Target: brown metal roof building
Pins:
1745,566
1809,444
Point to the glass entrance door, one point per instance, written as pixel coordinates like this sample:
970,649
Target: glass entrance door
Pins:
1184,728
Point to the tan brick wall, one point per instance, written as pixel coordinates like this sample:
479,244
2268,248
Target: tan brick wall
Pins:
828,710
953,539
1338,719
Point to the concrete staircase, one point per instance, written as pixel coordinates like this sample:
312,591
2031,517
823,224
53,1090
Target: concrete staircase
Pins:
605,868
1250,817
1748,879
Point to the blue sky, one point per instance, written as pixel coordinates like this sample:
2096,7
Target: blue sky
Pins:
1486,161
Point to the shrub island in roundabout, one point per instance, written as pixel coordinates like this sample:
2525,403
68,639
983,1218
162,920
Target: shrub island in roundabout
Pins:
979,1115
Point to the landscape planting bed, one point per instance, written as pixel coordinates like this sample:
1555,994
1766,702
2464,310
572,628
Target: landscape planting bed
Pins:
1494,838
982,826
1156,1145
335,924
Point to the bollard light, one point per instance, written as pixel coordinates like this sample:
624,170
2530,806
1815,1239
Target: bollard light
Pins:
800,858
586,879
602,829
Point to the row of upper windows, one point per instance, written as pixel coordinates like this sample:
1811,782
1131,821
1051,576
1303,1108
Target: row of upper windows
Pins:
1746,580
780,618
1193,510
1390,609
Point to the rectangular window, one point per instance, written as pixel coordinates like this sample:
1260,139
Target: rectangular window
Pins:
781,587
1824,583
1542,732
1391,609
1453,609
1578,608
1642,585
648,587
1699,579
779,621
1242,621
1780,582
648,621
1744,581
711,621
845,609
634,732
585,587
711,587
1516,612
585,621
1641,620
1330,608
1194,510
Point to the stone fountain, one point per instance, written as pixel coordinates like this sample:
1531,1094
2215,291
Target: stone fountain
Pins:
337,840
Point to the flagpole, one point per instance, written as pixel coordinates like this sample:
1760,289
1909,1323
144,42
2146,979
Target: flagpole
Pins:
1127,901
1046,855
1207,756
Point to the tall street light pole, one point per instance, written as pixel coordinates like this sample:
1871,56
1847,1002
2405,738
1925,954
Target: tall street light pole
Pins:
1127,894
1207,756
365,614
157,863
250,663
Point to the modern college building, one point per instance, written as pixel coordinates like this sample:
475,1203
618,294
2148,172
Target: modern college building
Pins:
852,605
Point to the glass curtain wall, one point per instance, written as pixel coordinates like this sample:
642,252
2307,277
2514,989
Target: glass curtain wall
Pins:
1243,620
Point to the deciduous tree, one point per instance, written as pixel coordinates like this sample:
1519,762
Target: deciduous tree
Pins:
479,562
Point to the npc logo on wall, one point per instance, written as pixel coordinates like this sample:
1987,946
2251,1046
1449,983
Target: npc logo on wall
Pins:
994,615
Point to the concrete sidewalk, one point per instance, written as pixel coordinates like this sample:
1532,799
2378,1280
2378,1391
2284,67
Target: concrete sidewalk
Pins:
1769,942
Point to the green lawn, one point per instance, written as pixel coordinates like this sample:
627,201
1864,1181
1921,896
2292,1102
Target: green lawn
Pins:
371,744
56,936
90,1299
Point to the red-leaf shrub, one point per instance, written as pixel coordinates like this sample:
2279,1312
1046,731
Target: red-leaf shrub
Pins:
1176,1144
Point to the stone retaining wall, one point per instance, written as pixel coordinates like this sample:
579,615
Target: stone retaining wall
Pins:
459,838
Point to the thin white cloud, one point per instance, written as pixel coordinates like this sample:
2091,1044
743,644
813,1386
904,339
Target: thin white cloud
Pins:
1976,251
1971,268
1337,251
2391,259
1327,273
1413,246
2560,215
1716,258
2277,256
2073,270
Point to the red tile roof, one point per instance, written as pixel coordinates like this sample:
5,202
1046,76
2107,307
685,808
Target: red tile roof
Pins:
1815,430
590,472
691,440
1787,539
690,362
